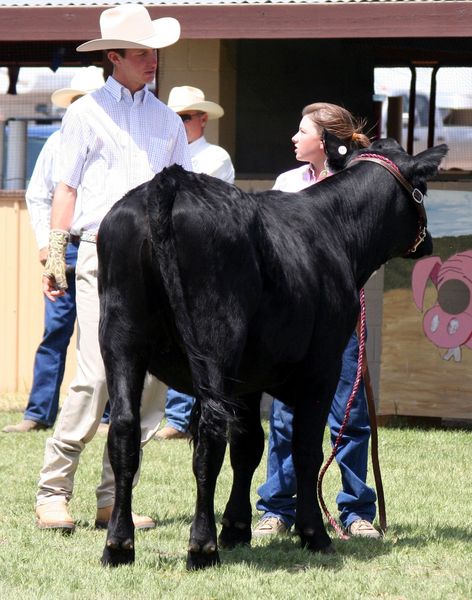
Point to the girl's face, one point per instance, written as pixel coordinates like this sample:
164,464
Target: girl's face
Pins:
308,144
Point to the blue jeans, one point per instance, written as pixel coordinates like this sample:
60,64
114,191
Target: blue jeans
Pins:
356,500
178,409
50,358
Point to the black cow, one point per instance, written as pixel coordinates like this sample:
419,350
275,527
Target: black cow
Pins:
223,294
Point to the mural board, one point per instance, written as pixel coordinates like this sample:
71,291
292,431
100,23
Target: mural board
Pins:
426,362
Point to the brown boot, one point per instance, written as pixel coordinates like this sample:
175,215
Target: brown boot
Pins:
25,426
140,521
171,433
54,515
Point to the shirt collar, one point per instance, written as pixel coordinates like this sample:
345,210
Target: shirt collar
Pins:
120,92
197,145
308,174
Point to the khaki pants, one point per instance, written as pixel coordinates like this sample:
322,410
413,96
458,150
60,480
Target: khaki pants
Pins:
83,408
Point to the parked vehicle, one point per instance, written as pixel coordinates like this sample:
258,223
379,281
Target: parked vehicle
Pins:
453,114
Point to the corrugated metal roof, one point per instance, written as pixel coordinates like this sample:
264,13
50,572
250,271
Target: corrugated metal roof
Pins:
65,3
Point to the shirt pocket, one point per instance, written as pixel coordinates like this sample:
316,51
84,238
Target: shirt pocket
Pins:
160,152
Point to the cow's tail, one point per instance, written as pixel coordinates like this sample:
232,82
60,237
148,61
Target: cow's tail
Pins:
221,410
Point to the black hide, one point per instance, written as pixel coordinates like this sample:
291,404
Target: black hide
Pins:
225,294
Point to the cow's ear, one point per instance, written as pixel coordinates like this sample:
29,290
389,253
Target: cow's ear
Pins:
337,153
427,162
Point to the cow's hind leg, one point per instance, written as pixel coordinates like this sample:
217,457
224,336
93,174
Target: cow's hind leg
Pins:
208,455
246,448
125,387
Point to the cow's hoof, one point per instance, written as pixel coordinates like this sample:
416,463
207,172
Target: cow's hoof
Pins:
202,557
234,534
317,543
116,554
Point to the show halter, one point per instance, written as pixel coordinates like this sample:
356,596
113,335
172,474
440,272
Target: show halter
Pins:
415,193
355,388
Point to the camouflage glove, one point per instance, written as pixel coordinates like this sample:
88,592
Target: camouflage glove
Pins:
55,267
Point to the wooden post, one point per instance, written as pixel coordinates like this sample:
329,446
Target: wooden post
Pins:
395,118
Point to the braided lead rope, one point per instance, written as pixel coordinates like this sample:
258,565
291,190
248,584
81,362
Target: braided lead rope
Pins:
357,382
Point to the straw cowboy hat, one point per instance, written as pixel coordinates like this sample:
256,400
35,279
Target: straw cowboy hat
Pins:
88,79
130,26
187,97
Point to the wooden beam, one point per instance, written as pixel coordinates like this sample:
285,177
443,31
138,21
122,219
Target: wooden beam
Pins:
261,21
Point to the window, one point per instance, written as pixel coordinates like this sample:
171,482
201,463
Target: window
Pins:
453,114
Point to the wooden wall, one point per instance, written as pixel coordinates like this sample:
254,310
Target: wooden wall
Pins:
21,302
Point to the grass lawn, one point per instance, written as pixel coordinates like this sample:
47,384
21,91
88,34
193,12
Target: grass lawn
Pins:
426,553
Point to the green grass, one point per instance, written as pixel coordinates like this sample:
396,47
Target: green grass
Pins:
426,553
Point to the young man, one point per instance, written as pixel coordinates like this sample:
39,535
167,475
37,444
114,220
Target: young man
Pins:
189,102
111,141
59,316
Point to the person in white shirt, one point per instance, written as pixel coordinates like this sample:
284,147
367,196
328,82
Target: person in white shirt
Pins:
112,140
190,104
59,317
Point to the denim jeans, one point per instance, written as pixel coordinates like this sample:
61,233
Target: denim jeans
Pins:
178,409
356,500
50,358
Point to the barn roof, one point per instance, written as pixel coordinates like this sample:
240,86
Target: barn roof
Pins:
241,19
65,3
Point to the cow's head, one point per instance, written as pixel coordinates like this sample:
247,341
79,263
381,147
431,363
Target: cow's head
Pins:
413,174
418,169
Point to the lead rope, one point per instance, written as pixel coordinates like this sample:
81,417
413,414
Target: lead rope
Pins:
359,373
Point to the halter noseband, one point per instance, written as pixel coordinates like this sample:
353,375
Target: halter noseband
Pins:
415,193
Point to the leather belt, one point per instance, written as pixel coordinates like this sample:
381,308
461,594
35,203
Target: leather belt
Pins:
89,236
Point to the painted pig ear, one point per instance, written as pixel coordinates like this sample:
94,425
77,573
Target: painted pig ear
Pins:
424,269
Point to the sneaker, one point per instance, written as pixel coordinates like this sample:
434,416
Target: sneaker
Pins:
270,526
363,528
171,433
25,426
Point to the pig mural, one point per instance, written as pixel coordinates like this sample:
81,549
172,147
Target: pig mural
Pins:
448,323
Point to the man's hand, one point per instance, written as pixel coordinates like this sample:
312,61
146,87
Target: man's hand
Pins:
54,276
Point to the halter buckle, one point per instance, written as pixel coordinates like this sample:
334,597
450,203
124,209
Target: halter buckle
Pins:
417,196
421,237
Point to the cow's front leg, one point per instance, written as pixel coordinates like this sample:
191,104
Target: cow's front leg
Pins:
246,448
307,451
208,457
124,438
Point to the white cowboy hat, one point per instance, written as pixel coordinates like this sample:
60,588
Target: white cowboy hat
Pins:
130,26
186,97
88,79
